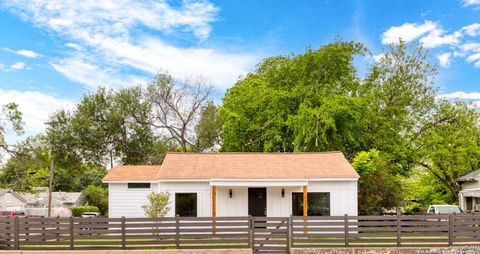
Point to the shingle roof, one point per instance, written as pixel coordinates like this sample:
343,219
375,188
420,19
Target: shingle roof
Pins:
240,166
65,197
132,173
472,176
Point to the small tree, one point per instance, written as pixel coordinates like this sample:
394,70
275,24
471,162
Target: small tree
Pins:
158,205
97,196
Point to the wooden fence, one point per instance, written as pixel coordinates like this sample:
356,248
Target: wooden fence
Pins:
262,234
385,231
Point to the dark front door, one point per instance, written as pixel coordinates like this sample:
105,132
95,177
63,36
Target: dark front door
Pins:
257,202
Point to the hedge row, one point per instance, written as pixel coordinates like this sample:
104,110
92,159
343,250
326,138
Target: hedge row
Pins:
78,210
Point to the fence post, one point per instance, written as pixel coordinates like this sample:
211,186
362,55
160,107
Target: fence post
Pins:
250,232
177,232
70,220
450,229
289,232
16,226
399,225
345,220
124,233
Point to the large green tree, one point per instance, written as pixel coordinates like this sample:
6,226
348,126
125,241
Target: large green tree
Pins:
301,102
449,145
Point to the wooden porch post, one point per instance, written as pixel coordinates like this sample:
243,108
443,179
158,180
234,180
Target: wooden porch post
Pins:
305,207
305,201
214,207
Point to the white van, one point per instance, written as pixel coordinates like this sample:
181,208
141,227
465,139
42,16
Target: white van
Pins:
444,209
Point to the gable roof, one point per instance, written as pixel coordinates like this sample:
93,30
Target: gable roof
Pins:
239,166
60,196
472,176
5,191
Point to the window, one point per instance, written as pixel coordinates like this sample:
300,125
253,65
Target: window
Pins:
186,204
318,204
139,185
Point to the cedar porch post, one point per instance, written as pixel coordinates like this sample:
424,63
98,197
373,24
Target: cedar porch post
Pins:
214,207
305,207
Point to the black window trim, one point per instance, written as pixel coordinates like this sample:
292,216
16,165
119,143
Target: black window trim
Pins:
311,192
139,188
196,203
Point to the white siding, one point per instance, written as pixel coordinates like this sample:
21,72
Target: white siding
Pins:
127,202
204,197
235,206
470,185
10,202
343,196
123,202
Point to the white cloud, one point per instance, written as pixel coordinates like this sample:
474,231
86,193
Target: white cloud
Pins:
472,30
81,71
105,27
378,57
461,95
73,46
429,33
23,52
444,59
471,46
408,32
473,58
36,107
18,66
471,2
437,38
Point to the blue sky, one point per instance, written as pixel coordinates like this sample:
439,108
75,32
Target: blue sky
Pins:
53,51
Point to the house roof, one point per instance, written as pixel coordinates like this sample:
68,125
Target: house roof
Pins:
132,173
3,191
240,166
472,176
64,197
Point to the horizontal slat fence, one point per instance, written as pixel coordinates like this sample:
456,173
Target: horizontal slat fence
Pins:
385,231
259,233
124,233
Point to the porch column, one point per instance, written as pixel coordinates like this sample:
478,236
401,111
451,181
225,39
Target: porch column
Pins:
305,201
214,201
214,208
305,208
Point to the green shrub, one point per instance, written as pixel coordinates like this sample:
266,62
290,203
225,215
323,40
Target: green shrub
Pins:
78,210
413,208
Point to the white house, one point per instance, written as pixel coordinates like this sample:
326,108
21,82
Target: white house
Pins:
11,201
238,184
469,195
60,199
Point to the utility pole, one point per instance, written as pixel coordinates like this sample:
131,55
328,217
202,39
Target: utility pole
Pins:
52,170
50,183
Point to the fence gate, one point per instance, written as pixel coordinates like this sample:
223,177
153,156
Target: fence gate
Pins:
270,234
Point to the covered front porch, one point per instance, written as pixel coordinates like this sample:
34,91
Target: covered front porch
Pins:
274,198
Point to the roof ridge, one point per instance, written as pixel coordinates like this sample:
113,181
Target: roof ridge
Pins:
274,153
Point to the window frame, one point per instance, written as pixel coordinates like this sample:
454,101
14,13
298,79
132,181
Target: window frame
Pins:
186,193
140,188
308,203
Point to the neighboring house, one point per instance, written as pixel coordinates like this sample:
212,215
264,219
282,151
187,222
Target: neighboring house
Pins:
238,184
11,201
59,199
469,195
